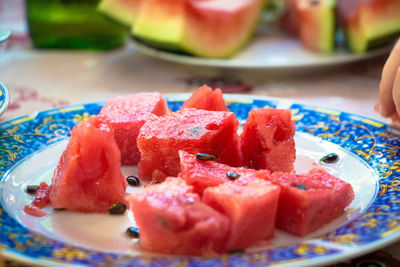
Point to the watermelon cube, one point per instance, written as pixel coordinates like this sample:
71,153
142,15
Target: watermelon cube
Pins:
127,114
191,130
88,176
207,99
267,140
250,204
172,219
202,174
309,201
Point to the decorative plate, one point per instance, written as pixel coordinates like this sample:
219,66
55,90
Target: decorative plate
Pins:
30,147
4,98
270,51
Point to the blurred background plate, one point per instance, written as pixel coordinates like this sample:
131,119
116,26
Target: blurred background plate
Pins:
269,51
4,98
4,35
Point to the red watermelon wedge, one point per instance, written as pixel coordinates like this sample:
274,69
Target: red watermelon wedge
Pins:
127,114
313,22
369,23
309,201
219,28
88,176
202,174
191,130
250,204
267,140
207,99
172,219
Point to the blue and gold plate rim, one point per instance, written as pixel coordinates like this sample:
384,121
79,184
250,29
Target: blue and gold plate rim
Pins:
4,98
374,142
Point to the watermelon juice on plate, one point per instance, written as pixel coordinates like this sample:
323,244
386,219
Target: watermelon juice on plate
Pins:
31,147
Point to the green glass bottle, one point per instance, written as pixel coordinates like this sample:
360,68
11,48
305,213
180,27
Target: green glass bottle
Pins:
72,24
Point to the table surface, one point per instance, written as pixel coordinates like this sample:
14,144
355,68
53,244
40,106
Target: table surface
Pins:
43,79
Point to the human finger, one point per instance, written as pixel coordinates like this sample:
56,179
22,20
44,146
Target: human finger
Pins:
396,90
386,102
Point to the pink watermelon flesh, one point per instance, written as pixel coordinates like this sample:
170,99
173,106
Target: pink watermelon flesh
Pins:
219,28
207,99
250,204
369,23
202,174
127,114
172,219
309,201
41,201
191,130
88,176
312,22
267,140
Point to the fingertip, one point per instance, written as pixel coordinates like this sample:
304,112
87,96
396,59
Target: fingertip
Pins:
377,107
396,90
384,110
395,124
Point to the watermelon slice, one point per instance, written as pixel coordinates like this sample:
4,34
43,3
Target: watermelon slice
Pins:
202,174
127,114
317,25
159,23
369,23
123,11
290,18
172,219
213,28
267,140
207,99
313,22
251,204
219,28
191,130
309,201
88,176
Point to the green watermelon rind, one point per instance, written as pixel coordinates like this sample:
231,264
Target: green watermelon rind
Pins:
367,37
231,52
159,35
116,12
328,15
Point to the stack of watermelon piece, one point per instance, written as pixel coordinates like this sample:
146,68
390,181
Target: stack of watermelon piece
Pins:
220,28
210,189
365,24
213,28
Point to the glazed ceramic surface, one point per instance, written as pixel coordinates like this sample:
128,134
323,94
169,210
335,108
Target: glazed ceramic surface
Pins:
4,98
270,51
30,148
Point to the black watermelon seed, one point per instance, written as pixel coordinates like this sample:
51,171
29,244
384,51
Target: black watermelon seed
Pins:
32,189
59,209
133,180
301,186
117,208
235,251
205,157
133,232
232,175
330,158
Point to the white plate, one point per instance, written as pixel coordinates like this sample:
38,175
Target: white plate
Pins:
30,147
270,50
